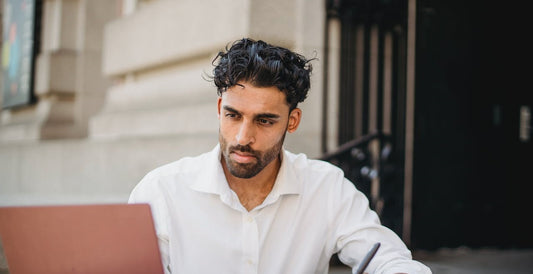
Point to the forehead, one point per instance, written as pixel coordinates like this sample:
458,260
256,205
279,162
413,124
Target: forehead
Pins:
246,97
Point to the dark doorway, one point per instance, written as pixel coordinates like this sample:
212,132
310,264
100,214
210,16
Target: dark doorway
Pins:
472,127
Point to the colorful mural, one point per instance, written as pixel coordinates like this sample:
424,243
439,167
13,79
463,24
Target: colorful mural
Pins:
17,52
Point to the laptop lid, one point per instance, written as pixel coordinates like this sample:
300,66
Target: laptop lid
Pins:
118,238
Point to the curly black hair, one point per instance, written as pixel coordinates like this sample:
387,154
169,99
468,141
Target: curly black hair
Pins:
263,65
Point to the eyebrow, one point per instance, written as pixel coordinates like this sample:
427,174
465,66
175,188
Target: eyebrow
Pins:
259,115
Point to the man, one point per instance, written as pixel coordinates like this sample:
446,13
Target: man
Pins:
249,206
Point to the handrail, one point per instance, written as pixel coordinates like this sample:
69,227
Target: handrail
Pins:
351,144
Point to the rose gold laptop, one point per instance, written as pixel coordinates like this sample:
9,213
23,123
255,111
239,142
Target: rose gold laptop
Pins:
118,238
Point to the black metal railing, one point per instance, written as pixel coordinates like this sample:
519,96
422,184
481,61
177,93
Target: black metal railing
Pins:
369,163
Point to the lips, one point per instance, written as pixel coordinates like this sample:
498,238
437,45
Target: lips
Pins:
242,157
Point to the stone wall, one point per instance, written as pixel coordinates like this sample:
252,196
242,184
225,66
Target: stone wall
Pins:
118,97
122,90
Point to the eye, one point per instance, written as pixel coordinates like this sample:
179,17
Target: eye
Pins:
265,122
232,115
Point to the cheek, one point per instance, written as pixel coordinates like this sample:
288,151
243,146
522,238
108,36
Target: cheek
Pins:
270,137
227,131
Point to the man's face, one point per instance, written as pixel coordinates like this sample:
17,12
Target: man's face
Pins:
253,123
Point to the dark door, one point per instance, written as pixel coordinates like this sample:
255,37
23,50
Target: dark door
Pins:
473,148
472,137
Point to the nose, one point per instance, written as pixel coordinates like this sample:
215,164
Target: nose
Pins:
246,134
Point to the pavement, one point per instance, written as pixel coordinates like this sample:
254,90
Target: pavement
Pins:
460,261
469,261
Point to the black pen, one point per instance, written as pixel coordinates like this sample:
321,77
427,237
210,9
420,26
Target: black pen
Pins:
366,260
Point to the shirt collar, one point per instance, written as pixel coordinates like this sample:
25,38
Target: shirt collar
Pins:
287,182
214,181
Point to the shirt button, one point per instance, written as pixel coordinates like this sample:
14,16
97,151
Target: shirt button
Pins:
250,262
250,219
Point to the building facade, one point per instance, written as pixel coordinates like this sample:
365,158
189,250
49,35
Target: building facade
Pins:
122,87
417,101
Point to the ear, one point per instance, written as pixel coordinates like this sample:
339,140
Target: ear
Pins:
294,120
219,104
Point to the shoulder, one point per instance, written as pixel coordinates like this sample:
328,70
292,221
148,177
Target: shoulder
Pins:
313,170
301,162
171,175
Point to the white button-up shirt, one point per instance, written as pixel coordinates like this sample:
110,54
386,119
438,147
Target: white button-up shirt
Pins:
311,213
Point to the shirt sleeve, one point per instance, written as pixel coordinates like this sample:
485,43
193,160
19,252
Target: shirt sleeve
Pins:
146,192
357,228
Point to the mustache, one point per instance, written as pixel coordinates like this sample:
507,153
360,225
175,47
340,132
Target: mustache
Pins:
241,148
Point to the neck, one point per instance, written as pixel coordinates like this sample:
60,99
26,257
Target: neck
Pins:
253,191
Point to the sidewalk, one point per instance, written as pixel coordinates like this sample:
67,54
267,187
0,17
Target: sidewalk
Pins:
464,261
470,261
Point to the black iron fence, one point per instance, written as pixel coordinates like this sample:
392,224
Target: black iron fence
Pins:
373,166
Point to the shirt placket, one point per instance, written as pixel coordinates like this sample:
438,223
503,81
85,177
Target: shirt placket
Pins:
250,243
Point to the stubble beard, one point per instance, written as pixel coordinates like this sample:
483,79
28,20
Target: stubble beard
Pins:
248,170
